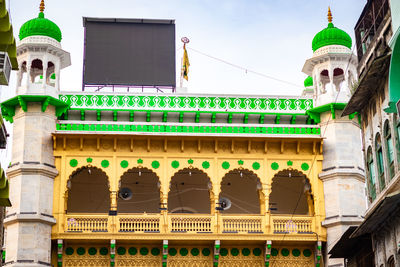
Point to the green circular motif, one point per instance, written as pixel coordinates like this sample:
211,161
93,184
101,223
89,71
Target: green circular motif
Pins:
155,164
92,251
223,252
73,163
69,251
296,252
144,251
105,163
89,160
124,164
225,165
274,166
195,251
256,165
234,252
257,252
206,164
245,252
175,164
104,251
305,167
155,251
274,252
183,251
290,163
132,251
307,253
285,252
190,161
172,251
81,251
139,161
206,252
121,251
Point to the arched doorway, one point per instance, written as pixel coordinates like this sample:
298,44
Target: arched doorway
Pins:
88,191
189,192
291,194
242,187
142,188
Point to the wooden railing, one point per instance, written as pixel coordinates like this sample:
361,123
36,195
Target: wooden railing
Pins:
86,223
292,224
139,223
242,224
184,223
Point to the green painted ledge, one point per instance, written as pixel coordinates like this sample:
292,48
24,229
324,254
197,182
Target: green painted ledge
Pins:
394,78
4,190
315,113
8,106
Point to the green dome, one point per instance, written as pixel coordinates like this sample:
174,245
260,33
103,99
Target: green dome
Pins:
308,82
40,26
331,36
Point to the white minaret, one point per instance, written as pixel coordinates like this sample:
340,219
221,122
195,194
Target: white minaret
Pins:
33,112
333,69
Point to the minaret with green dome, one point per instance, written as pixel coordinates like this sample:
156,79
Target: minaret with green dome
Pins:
332,71
33,112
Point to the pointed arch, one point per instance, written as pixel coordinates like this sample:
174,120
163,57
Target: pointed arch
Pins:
244,189
88,191
291,193
190,190
145,187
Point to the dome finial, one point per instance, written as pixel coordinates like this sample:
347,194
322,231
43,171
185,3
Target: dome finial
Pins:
41,8
329,15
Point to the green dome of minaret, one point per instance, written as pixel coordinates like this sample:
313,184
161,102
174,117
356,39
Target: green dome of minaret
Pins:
308,82
40,26
331,36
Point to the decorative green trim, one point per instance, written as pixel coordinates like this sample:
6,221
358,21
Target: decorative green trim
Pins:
205,164
104,251
307,253
225,165
240,162
140,161
274,252
296,252
144,251
105,163
69,251
73,163
190,161
290,163
175,164
206,252
394,79
172,251
132,251
256,165
246,252
274,166
80,251
305,166
155,251
234,252
315,113
195,251
124,164
92,251
121,251
161,128
223,252
285,252
257,252
155,164
8,106
183,251
89,160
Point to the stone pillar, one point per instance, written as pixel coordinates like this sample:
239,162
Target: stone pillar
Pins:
31,175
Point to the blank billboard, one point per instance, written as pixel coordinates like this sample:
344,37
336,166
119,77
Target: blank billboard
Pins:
129,52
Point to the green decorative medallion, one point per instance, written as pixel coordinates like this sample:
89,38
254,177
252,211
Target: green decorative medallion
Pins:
206,252
223,252
305,167
121,251
225,165
89,160
139,161
172,251
190,161
234,252
240,162
290,163
104,251
183,251
256,165
274,252
124,164
80,251
105,163
285,252
296,252
92,251
307,253
175,164
205,164
195,251
245,252
69,251
274,166
73,163
144,251
155,164
155,251
132,251
257,252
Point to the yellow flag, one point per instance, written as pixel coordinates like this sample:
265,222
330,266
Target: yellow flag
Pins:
185,64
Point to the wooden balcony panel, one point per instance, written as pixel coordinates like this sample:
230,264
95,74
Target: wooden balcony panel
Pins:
292,225
243,224
142,223
190,223
86,223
